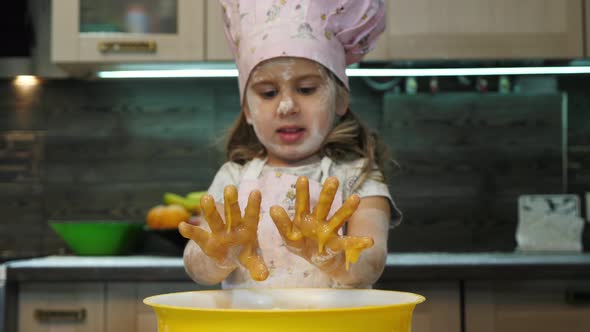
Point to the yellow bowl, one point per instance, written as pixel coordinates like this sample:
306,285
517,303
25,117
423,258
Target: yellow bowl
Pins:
288,310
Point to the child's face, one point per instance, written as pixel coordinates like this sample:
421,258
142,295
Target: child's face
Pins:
291,103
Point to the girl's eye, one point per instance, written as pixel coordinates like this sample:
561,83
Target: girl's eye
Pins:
307,90
268,94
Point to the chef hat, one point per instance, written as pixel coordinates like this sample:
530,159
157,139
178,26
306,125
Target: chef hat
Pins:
334,33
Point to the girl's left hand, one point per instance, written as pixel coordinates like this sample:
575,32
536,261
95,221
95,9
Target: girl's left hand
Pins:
310,235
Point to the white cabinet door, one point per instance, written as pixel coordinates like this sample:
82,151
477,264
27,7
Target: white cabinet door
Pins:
125,310
516,306
441,312
61,307
217,48
482,29
86,31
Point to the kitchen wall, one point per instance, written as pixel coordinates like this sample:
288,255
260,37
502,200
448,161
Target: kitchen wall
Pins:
109,149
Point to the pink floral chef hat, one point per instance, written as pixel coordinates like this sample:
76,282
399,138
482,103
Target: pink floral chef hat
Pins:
334,33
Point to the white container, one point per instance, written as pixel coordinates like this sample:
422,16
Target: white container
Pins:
549,223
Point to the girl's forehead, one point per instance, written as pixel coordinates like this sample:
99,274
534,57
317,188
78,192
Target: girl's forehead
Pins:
287,68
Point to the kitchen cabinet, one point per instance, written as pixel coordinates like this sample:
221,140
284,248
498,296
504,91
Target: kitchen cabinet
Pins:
217,48
535,305
58,307
126,310
86,31
481,29
440,312
91,306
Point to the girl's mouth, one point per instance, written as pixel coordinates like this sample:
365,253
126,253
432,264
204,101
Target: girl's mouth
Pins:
290,134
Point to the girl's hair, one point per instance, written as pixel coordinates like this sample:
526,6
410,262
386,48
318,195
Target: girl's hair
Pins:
350,139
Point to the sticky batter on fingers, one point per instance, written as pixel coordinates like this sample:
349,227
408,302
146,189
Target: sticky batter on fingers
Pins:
351,245
210,213
326,199
252,211
253,262
231,207
195,233
325,230
290,232
344,212
301,197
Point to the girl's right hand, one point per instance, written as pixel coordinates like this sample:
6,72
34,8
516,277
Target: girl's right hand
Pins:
235,240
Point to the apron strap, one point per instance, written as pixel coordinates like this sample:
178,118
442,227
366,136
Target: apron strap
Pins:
325,165
254,169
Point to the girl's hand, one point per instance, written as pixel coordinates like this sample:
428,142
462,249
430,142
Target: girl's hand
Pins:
310,235
235,240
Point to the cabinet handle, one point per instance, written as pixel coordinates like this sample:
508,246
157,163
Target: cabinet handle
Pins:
127,47
577,298
47,316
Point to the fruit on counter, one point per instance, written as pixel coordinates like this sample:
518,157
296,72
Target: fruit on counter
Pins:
191,202
166,216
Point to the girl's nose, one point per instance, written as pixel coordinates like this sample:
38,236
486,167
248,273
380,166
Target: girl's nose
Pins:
286,106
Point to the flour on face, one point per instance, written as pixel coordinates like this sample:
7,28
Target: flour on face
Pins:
291,92
285,106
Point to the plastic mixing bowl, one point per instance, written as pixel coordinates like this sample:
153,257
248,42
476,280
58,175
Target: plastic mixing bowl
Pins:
288,310
98,237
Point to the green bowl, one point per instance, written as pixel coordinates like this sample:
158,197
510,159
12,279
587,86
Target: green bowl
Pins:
98,237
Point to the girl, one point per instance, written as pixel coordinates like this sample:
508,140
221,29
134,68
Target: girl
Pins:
296,132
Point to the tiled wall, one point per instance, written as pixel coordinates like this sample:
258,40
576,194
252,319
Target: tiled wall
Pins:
109,149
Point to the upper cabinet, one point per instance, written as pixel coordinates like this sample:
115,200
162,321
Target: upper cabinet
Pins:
88,31
127,31
217,48
460,29
482,29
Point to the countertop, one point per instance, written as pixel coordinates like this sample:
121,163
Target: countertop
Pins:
400,266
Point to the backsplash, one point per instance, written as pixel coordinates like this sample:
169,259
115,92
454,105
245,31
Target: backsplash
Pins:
109,149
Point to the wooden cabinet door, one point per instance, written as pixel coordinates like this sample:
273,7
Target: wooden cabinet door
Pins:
516,306
441,312
482,29
217,48
61,307
70,46
125,307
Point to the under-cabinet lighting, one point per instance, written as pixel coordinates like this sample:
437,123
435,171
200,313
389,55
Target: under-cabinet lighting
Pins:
25,80
365,72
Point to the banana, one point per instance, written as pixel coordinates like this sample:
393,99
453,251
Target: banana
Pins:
195,195
191,202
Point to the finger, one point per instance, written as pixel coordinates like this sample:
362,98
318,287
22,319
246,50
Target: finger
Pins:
252,212
326,198
358,242
301,197
353,248
290,233
253,262
335,243
195,233
210,213
231,207
344,213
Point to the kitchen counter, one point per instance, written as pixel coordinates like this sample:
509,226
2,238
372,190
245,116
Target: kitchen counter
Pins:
400,266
